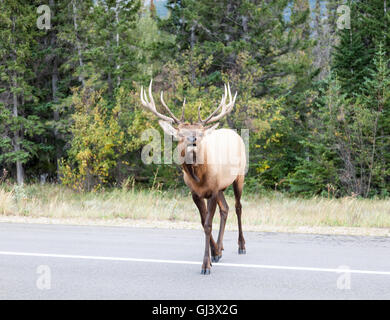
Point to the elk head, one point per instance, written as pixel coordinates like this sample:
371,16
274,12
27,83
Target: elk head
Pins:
189,135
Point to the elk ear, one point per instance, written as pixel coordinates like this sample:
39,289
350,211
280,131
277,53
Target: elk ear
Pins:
168,129
210,129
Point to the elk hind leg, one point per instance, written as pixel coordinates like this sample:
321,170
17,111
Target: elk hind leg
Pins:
238,185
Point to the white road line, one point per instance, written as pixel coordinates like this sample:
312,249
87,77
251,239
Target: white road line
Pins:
220,264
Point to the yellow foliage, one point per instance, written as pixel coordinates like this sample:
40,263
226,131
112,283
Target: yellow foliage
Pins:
98,141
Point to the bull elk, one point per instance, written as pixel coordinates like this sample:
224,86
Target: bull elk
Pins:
212,161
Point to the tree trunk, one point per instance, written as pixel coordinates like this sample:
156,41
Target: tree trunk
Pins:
192,44
16,133
56,114
54,86
245,28
78,45
117,42
16,139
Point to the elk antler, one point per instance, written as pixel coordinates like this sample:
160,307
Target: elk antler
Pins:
226,108
152,106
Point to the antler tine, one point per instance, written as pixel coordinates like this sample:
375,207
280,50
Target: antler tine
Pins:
168,110
182,119
151,104
226,108
199,118
151,94
223,101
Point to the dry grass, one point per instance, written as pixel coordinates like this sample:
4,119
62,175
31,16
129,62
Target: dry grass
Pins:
275,210
7,203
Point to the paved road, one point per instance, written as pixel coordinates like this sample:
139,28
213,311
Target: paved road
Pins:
85,262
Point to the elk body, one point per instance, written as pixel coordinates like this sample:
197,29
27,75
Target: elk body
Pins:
212,161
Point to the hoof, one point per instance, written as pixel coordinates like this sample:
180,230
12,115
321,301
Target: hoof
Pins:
205,271
241,251
216,258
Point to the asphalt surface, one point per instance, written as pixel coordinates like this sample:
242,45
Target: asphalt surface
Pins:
85,262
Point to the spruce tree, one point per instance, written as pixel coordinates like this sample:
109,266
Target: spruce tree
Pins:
18,46
223,29
353,56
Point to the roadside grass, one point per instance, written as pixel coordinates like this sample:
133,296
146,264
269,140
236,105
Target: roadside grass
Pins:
276,209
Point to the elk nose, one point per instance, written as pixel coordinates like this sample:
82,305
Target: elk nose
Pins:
191,139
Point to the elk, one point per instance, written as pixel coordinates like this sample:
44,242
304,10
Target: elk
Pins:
212,161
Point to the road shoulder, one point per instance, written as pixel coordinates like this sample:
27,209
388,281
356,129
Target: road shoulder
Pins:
354,231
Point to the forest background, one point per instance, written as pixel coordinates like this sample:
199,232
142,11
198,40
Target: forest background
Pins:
312,90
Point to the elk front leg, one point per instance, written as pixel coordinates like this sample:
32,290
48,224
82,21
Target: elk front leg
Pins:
211,206
203,214
224,209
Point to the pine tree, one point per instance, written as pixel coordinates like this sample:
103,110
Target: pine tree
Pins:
18,45
222,29
376,98
353,56
323,33
112,47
